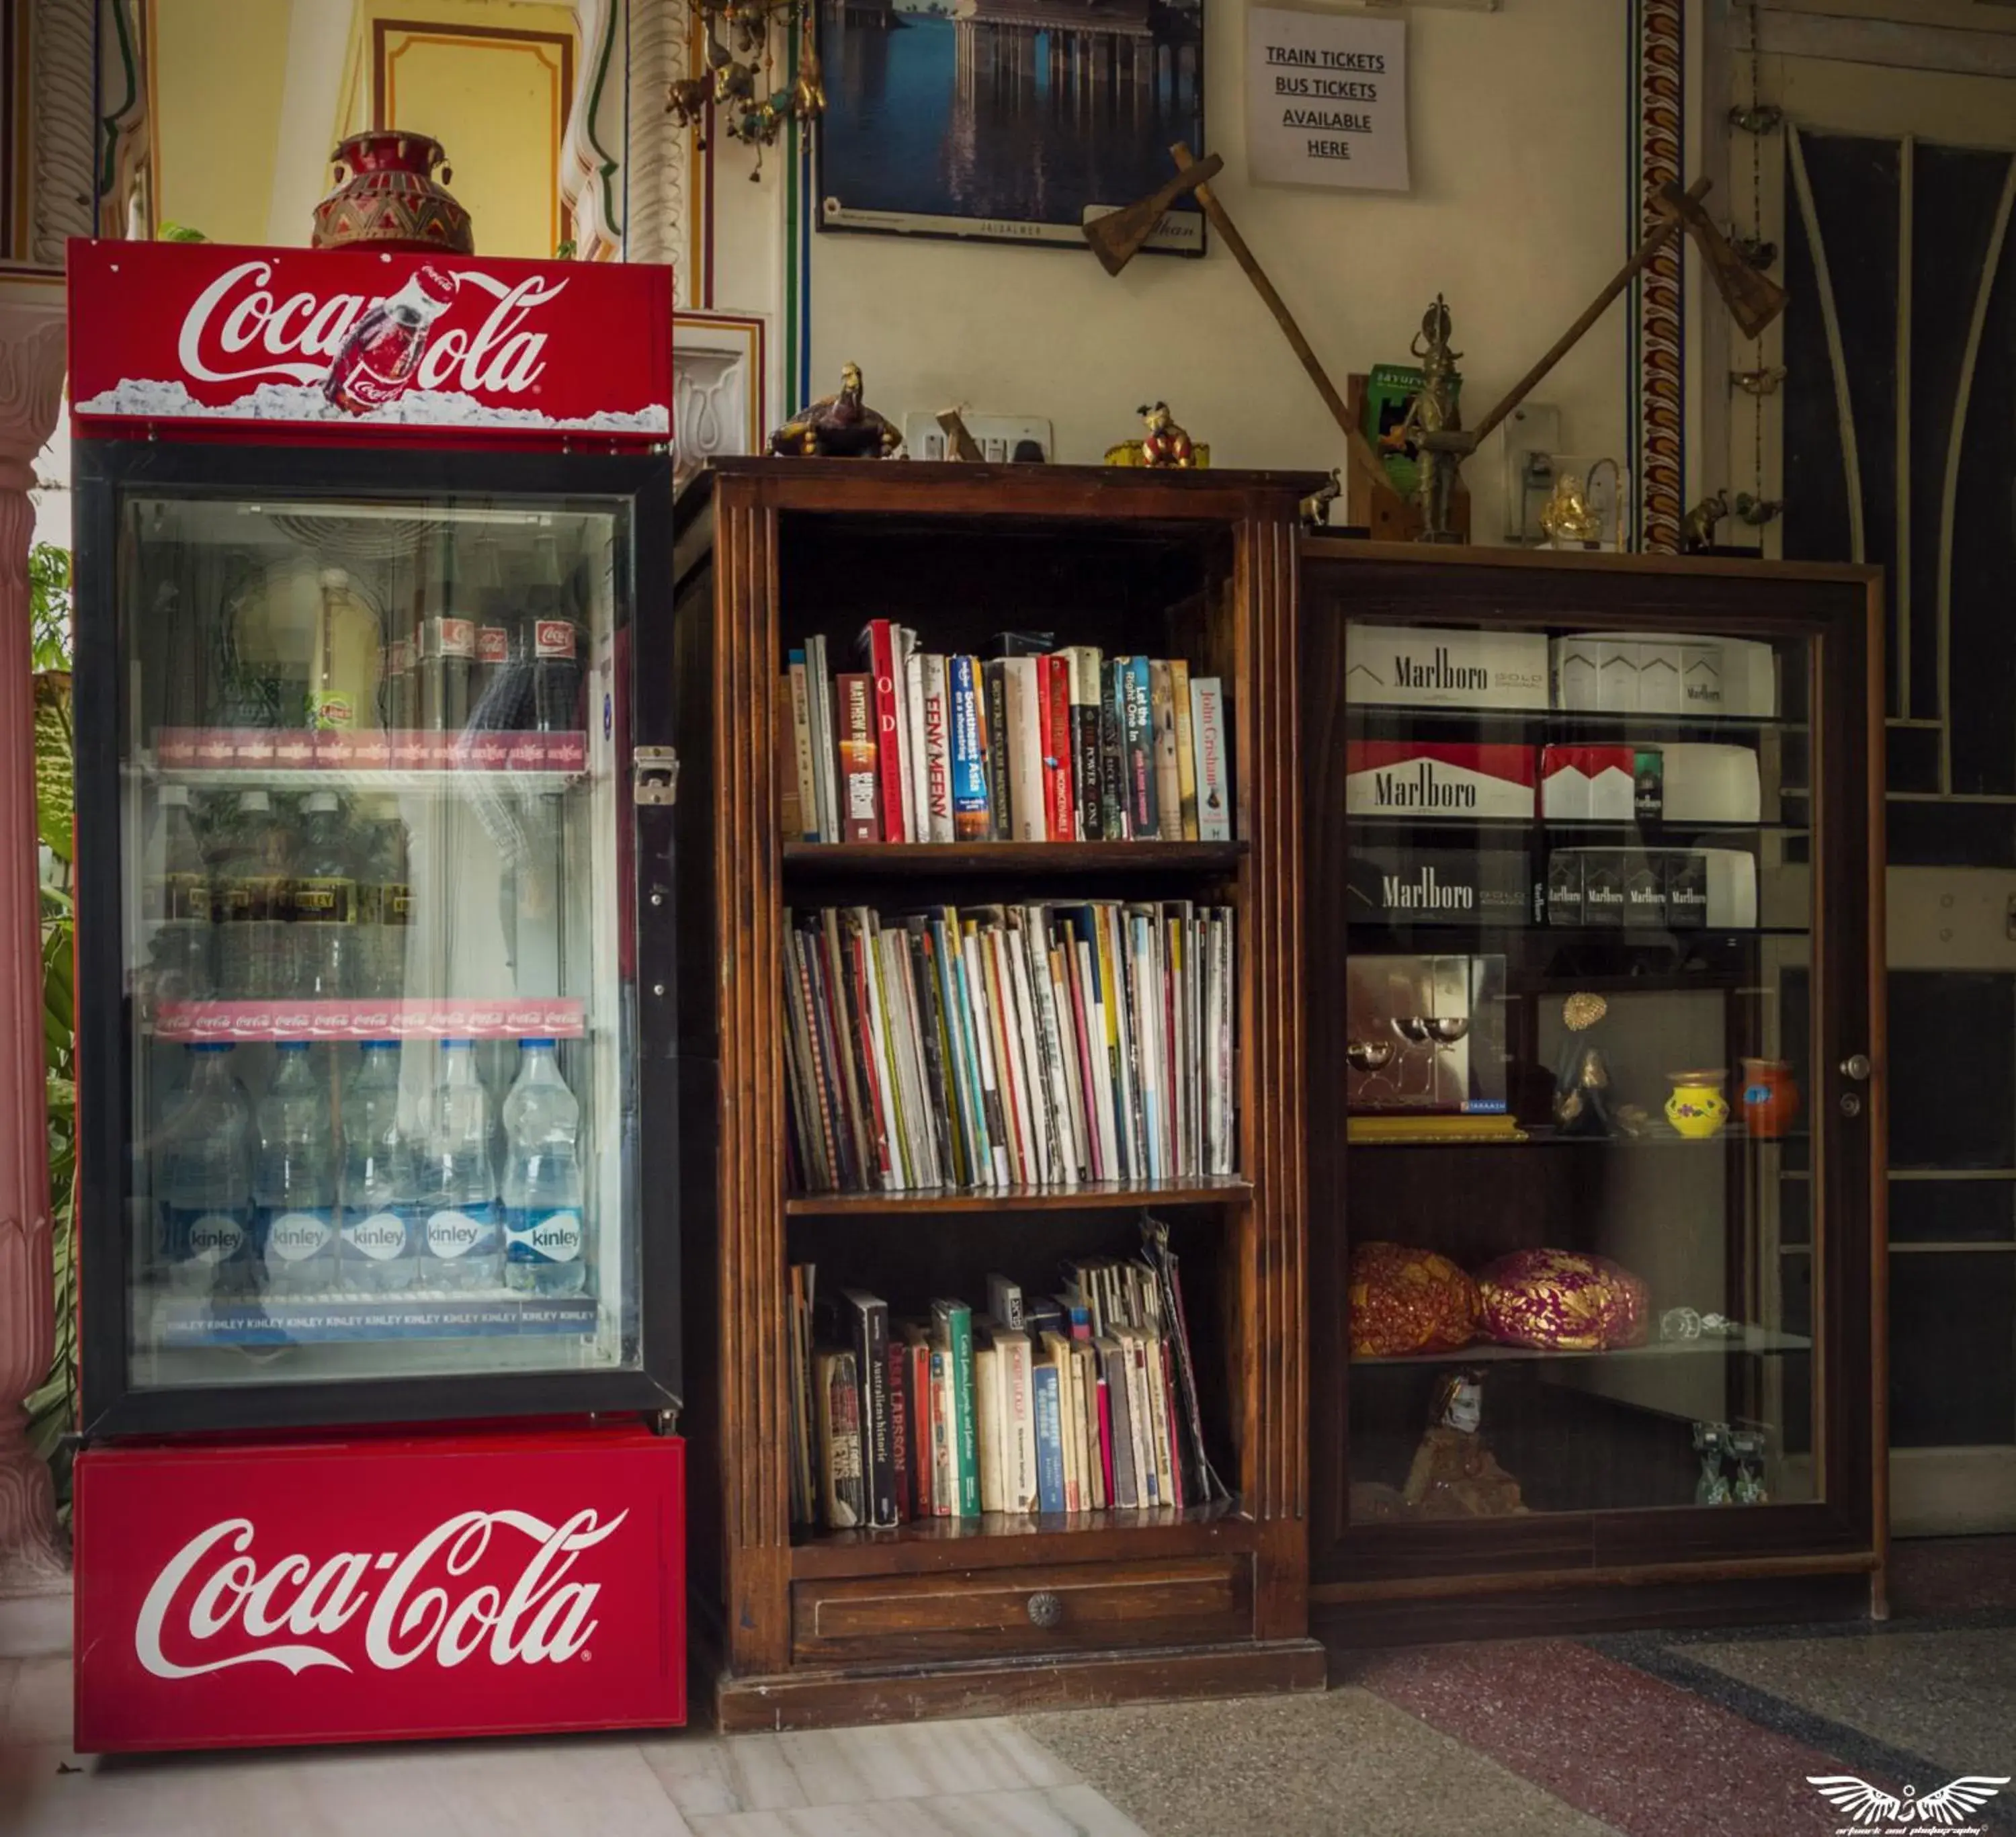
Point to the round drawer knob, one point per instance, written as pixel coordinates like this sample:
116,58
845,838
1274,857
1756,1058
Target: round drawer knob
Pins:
1046,1610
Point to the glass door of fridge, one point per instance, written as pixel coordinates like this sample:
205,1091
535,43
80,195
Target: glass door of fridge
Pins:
384,1106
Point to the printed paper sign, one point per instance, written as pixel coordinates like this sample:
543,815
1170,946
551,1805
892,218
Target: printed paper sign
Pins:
1327,100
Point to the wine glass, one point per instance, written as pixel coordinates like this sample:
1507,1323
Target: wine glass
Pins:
1369,1058
1431,1034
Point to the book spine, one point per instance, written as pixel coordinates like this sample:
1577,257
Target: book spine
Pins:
1049,1439
1168,782
1000,791
945,1453
938,749
879,644
803,758
987,1424
1025,749
959,1334
843,1496
871,1355
1113,802
910,696
857,759
1126,1481
1137,715
818,707
900,1460
1084,666
791,806
1213,783
1019,1442
917,1400
1105,1396
1186,786
1053,678
971,817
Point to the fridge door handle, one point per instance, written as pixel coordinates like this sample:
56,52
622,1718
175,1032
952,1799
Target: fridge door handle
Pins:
654,775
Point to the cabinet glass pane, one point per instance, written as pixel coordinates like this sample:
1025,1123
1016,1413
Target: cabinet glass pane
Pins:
1577,1026
382,1108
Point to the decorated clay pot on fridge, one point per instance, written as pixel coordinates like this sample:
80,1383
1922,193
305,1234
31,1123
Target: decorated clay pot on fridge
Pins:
387,196
1770,1098
1697,1109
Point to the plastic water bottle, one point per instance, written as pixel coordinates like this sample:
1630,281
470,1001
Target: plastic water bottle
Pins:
252,904
324,931
295,1187
384,903
380,1217
461,1244
203,1181
545,1242
178,903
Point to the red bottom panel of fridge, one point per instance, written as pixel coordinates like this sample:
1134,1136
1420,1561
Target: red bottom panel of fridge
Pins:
350,1589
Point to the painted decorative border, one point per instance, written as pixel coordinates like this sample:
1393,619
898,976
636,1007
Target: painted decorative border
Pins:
721,404
1657,379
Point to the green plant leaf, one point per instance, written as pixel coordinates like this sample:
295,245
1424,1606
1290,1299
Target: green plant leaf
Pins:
55,799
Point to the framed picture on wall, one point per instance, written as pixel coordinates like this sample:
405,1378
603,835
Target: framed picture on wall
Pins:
1006,120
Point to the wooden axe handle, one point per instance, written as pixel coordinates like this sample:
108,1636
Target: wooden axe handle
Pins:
1652,243
1221,222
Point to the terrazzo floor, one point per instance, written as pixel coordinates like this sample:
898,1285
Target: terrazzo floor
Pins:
1668,1735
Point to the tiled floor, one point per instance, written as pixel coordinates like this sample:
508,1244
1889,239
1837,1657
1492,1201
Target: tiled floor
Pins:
1643,1735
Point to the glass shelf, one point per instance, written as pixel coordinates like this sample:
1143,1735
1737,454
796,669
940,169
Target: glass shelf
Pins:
277,759
1758,1340
444,1018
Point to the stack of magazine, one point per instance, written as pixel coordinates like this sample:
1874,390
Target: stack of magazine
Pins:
1083,1400
1045,1045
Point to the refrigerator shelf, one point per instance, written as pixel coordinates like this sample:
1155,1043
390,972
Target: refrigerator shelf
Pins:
270,758
437,1018
337,1319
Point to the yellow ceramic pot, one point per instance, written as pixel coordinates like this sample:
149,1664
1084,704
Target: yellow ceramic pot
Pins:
1697,1109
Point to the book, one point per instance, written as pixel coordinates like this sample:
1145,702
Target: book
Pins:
1049,1437
860,776
1169,778
988,1425
1214,789
1186,783
945,1435
790,807
1004,1302
1082,663
843,1495
1138,740
910,698
1023,716
1000,801
877,649
1018,1426
972,815
803,755
1070,1418
936,717
953,1320
818,707
868,1320
900,1457
916,1347
1114,807
1060,817
1120,1424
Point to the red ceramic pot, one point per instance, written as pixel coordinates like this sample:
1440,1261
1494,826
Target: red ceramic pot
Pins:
1770,1098
391,198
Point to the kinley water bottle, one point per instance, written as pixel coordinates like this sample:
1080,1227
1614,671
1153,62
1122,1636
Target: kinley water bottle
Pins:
461,1246
202,1180
545,1247
295,1188
380,1221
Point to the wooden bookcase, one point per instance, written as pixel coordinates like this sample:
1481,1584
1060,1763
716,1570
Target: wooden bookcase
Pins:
943,1615
1781,1229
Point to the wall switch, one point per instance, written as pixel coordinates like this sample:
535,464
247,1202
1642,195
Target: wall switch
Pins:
1003,439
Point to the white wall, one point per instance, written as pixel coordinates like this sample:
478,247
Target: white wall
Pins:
1517,214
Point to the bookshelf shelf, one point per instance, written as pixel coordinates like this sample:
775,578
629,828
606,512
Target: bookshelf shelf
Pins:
1204,1189
1016,858
778,557
998,1540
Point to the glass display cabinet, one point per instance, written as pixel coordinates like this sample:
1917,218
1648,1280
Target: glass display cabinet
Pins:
1596,1108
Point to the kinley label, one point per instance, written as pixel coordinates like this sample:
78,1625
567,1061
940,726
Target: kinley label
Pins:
533,1235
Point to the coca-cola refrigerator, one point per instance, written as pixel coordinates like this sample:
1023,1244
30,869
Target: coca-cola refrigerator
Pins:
378,1146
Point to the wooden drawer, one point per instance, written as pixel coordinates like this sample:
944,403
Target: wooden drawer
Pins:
984,1613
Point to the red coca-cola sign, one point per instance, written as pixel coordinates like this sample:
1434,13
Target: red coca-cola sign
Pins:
369,342
373,1589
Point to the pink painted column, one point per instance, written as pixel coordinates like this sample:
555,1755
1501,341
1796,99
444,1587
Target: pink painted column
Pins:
31,373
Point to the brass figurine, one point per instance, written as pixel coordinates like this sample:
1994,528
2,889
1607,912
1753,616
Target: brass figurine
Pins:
1164,443
1697,529
840,426
1566,517
1314,508
1434,424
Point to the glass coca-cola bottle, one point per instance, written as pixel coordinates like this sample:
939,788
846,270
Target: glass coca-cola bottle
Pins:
447,644
556,645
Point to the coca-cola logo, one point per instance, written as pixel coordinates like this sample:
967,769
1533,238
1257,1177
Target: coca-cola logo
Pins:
238,329
554,638
214,1584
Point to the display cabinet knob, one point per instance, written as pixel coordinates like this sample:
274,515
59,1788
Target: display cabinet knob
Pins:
1046,1610
1857,1066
